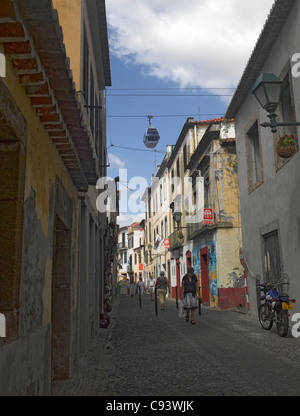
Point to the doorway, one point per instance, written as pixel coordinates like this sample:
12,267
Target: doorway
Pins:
61,302
188,260
204,275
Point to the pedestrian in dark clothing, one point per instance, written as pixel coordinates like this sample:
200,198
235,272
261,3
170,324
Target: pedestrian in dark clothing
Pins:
189,294
162,283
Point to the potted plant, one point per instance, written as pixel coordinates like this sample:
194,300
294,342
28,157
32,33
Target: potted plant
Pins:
180,235
286,146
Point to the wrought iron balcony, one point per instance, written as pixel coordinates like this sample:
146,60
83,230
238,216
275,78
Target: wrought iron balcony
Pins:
175,241
196,226
122,246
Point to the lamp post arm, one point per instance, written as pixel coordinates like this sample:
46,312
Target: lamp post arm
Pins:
273,123
274,126
289,124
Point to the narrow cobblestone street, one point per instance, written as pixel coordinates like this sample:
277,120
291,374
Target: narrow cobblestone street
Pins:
225,354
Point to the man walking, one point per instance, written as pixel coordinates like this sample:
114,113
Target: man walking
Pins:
189,294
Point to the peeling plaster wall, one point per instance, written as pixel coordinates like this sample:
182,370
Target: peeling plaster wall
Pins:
230,271
226,280
277,199
25,362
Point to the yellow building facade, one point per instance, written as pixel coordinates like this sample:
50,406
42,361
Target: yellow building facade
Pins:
51,239
201,171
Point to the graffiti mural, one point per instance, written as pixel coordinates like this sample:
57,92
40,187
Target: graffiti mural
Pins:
212,268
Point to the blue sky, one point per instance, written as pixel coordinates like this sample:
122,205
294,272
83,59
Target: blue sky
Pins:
167,45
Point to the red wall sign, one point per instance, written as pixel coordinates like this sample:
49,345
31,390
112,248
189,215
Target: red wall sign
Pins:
167,243
208,216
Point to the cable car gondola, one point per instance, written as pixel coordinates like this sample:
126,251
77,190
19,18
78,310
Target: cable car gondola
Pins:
151,137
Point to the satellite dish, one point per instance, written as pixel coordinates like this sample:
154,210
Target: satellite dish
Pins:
151,137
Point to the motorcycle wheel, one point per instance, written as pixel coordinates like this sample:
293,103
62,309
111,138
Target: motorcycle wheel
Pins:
282,323
264,313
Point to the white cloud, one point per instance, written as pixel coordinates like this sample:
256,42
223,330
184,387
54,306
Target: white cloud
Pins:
115,161
203,43
128,219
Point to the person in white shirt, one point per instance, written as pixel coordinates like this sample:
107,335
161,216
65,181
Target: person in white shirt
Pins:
140,286
151,286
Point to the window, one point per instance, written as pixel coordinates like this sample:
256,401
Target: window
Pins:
272,257
97,129
149,208
287,107
86,62
172,180
161,194
88,88
254,160
184,158
166,227
91,101
178,168
206,192
130,242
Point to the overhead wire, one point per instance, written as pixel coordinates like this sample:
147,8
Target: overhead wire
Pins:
171,88
138,150
161,116
108,92
169,95
166,115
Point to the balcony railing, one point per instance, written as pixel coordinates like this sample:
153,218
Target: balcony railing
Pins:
196,226
175,241
122,246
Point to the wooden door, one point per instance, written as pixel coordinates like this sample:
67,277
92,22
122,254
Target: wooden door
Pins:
204,275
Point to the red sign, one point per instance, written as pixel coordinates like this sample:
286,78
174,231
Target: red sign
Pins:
167,243
141,266
208,216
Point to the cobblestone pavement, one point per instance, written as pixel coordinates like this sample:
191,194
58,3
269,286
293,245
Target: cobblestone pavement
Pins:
225,354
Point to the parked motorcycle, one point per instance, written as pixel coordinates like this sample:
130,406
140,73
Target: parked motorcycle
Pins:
275,308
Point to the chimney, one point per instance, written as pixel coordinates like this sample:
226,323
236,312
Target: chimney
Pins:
169,149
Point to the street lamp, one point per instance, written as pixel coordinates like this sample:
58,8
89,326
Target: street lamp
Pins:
177,218
267,91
